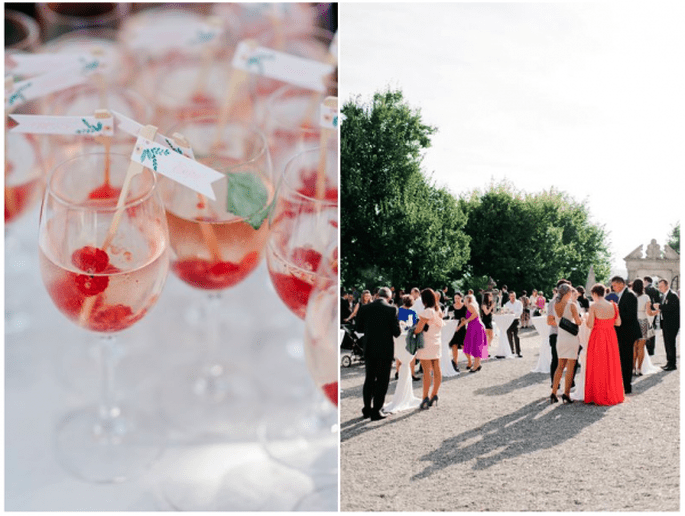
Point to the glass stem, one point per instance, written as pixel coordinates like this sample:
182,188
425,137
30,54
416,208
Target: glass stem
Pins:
108,408
212,326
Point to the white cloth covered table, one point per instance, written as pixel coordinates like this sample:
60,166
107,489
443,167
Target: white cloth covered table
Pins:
503,321
545,357
446,358
404,398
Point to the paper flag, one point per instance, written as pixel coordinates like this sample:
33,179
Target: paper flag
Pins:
298,71
76,125
175,166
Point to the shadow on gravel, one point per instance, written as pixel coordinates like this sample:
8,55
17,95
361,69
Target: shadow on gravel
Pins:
531,428
358,426
517,383
647,382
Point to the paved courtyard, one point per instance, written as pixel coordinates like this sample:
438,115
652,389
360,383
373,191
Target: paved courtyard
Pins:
495,443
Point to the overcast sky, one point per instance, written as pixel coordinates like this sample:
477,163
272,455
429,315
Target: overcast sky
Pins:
584,97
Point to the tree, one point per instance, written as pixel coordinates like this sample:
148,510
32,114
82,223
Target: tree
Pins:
396,228
530,241
674,238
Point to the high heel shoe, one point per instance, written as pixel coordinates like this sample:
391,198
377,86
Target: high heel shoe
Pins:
425,404
477,369
566,399
553,398
434,399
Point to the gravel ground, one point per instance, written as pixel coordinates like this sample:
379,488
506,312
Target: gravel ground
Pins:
495,443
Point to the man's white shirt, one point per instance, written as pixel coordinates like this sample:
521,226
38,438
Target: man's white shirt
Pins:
516,307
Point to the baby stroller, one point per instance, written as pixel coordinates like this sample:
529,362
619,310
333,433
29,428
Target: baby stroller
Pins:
352,343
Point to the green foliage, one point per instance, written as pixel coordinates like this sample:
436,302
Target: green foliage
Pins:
469,281
396,228
674,238
529,241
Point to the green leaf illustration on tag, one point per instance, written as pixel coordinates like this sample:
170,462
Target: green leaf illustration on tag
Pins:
247,197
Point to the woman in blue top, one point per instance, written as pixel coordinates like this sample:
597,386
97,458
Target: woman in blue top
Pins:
403,314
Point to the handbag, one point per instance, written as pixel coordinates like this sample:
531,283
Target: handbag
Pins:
414,342
568,326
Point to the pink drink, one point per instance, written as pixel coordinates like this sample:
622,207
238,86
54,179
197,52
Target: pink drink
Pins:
20,198
293,279
23,174
239,246
111,299
320,337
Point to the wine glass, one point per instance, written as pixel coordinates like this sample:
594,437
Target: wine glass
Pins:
321,352
21,31
304,225
304,236
57,19
85,99
291,123
121,68
104,276
25,171
216,244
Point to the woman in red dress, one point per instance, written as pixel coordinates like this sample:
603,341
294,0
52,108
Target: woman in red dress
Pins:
603,378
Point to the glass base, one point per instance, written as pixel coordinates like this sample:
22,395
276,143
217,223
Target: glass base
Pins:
302,437
108,450
212,401
16,321
254,486
321,499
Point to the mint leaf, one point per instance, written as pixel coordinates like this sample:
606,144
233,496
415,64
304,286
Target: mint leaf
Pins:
247,197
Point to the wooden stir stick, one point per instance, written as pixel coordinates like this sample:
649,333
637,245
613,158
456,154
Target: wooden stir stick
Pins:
148,132
10,195
208,235
277,24
206,61
326,133
236,80
106,141
314,99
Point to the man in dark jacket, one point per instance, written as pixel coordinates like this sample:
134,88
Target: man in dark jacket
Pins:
629,330
669,312
379,324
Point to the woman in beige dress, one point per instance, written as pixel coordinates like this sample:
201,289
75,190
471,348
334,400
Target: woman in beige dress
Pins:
430,354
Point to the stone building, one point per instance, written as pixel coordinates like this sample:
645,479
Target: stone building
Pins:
656,263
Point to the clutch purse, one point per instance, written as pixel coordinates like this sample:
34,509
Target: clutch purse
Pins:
568,326
413,342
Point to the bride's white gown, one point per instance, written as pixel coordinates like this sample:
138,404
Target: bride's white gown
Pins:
404,398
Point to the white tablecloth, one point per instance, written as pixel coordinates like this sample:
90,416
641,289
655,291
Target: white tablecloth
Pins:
403,398
545,356
503,321
39,390
446,358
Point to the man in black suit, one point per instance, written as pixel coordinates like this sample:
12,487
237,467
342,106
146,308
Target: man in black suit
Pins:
379,324
654,297
669,312
629,330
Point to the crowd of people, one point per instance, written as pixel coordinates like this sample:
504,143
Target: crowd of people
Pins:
621,320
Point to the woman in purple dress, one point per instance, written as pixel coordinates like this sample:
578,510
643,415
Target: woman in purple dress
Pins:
475,342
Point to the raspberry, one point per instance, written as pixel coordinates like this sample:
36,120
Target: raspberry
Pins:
94,261
105,192
307,259
91,285
331,391
90,259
